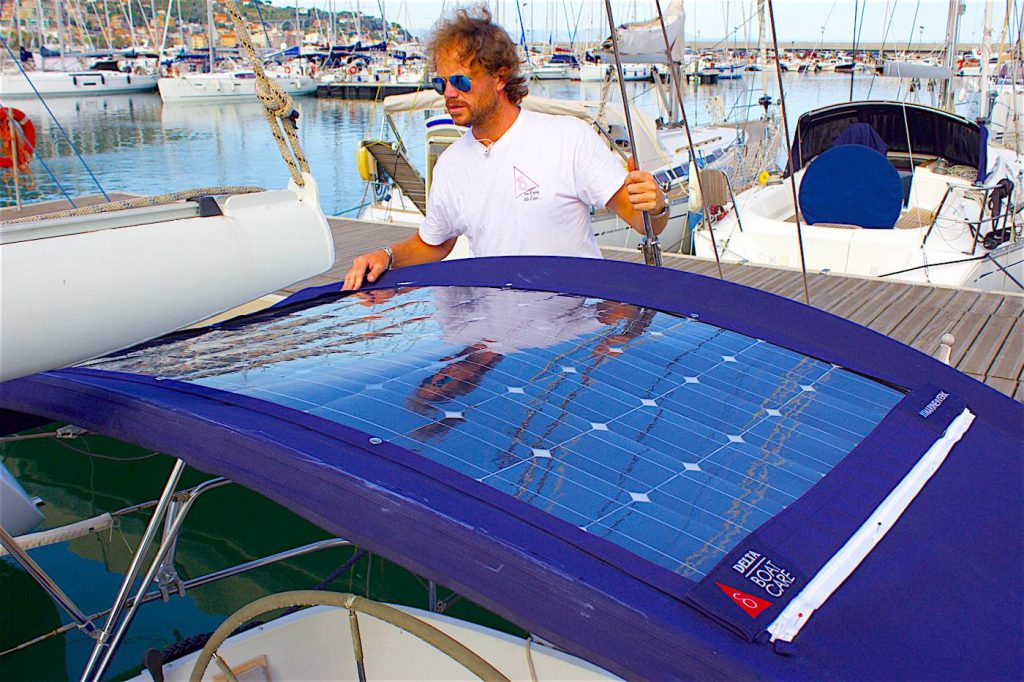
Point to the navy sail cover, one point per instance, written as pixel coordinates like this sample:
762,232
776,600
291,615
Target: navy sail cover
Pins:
668,436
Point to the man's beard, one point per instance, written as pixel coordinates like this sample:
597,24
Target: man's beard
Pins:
481,112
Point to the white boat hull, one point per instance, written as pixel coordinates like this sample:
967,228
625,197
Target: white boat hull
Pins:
78,288
943,255
316,644
18,513
609,229
225,86
73,83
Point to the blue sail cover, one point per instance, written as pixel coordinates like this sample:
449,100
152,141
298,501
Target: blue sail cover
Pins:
594,464
851,184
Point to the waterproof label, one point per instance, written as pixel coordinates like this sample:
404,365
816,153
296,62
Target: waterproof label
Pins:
934,407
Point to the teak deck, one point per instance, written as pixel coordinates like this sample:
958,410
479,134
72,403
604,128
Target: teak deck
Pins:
988,328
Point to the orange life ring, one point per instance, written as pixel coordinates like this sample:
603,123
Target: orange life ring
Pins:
287,69
26,141
352,70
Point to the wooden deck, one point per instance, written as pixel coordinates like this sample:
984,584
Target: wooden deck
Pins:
988,328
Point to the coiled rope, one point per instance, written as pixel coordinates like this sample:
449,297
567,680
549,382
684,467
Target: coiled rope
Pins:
277,104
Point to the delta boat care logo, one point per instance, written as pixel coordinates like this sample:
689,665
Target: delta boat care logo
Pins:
526,189
748,602
771,577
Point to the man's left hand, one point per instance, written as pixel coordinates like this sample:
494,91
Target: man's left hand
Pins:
643,189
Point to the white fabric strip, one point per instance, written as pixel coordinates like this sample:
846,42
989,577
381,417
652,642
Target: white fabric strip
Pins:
843,563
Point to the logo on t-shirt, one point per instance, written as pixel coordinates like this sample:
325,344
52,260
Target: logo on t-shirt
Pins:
526,189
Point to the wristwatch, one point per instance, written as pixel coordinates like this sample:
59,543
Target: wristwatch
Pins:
391,256
664,209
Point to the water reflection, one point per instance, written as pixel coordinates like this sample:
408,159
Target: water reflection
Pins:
668,436
134,143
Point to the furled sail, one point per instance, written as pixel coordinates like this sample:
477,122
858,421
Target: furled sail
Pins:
643,42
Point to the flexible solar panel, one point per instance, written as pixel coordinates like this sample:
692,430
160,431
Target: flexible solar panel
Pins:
671,437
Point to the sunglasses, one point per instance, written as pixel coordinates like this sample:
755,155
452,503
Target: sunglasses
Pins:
458,81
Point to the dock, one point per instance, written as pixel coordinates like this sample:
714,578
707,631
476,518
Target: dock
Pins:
988,328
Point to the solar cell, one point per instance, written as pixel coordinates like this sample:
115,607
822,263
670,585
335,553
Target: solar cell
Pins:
666,435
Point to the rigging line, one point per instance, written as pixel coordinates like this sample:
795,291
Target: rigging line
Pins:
705,211
885,36
67,137
262,23
650,246
853,47
734,33
792,176
53,176
858,34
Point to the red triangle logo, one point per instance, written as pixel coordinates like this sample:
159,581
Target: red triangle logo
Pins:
748,602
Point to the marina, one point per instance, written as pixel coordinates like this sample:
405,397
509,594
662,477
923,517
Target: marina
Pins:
725,453
988,328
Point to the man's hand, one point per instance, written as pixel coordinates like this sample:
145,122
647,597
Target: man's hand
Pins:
369,266
644,192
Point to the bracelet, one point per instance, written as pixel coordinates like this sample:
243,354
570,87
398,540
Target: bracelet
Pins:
391,256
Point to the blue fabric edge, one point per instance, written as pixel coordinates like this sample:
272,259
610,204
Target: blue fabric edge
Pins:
805,537
732,306
614,555
159,414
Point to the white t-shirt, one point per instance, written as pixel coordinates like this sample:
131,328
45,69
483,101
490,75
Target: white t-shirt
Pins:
529,194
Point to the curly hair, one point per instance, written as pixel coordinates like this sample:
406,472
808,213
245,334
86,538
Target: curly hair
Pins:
483,43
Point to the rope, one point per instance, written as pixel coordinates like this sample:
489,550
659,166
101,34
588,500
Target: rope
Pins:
17,62
277,104
137,202
785,128
674,71
355,604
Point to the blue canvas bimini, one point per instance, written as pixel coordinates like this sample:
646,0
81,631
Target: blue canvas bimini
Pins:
668,475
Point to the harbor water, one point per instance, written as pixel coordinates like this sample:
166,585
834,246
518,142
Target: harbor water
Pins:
135,144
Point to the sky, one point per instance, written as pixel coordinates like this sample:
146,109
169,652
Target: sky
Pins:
832,20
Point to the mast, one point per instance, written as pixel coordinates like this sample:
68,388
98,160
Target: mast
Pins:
17,21
956,10
181,30
213,32
167,27
764,48
131,24
60,30
41,28
986,55
106,18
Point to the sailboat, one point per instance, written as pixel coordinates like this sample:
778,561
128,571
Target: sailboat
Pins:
400,192
131,270
214,85
58,73
888,189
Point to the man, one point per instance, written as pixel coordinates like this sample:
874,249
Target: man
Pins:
520,182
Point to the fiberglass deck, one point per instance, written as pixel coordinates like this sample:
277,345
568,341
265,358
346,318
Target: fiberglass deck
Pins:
988,328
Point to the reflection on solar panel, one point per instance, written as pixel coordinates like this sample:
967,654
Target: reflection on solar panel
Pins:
666,435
